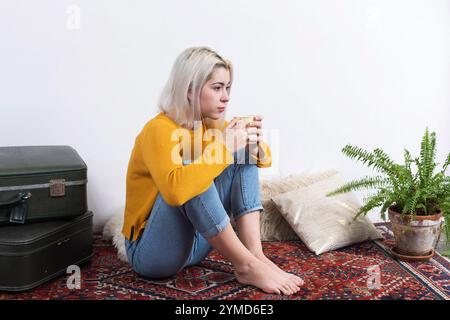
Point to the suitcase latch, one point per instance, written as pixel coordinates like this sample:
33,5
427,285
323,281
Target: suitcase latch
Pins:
57,188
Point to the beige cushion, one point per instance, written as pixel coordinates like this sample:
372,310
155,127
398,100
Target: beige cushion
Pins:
325,223
273,226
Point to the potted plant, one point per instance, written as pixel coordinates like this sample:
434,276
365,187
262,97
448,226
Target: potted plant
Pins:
417,202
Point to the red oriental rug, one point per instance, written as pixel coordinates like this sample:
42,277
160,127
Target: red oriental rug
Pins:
366,271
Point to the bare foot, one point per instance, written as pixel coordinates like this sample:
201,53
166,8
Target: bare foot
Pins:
260,275
296,279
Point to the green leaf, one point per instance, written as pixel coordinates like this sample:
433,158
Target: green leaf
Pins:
446,253
364,183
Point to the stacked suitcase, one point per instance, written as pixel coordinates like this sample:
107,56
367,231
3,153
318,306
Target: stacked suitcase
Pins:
45,224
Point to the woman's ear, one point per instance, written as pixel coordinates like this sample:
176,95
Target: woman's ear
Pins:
189,95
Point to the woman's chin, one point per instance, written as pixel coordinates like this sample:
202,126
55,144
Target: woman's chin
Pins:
215,116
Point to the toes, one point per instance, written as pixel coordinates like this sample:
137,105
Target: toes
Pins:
300,281
293,281
294,288
286,289
297,280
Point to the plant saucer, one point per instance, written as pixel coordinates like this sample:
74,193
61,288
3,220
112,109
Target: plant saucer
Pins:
411,258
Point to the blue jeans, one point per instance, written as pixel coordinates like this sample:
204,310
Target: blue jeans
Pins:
175,237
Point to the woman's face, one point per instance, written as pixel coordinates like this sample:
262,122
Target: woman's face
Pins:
215,94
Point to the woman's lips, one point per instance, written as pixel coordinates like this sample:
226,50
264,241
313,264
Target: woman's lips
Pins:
221,109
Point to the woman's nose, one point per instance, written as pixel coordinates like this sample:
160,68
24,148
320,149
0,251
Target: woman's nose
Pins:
225,96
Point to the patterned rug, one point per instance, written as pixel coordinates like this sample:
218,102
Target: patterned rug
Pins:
366,271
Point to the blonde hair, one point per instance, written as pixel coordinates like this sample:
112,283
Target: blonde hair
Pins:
191,70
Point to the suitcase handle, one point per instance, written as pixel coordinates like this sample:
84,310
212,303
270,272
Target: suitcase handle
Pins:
18,206
22,196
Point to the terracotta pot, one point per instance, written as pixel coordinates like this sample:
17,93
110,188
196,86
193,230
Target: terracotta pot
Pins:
415,236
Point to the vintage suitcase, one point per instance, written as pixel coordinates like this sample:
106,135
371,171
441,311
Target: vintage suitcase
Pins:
34,253
39,183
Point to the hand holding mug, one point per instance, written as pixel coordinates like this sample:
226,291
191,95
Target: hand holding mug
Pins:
253,126
235,135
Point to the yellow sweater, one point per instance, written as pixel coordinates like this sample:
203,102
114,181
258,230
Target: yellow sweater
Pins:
156,166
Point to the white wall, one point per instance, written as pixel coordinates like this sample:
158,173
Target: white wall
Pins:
323,73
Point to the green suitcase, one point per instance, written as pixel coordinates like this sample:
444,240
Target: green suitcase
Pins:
34,253
39,183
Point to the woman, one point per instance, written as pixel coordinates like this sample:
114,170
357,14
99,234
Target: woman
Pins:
185,180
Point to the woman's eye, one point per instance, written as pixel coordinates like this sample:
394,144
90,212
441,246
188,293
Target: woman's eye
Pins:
219,88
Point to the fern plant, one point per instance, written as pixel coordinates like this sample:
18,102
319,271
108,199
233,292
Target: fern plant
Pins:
397,186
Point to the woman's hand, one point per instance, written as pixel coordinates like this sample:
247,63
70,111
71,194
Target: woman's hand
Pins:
244,134
235,135
255,134
254,130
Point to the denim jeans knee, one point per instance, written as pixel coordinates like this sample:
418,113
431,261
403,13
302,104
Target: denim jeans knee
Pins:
245,191
206,212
